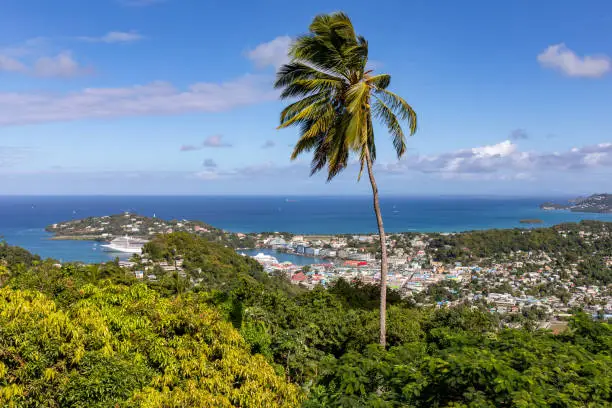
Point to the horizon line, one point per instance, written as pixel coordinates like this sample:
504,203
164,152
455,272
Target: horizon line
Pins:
396,195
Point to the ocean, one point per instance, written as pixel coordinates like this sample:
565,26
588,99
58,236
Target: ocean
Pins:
23,219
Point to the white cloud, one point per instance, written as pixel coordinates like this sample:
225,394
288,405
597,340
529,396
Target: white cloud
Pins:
115,37
207,174
210,141
36,56
255,171
215,141
11,64
11,155
563,59
498,162
190,148
273,53
501,150
503,161
32,46
62,65
156,98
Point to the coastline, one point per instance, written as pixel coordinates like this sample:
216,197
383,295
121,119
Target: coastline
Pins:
307,216
520,224
24,218
93,238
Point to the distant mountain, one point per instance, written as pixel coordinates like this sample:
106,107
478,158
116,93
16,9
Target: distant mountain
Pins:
597,203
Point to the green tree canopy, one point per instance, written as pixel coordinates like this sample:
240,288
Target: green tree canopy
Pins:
127,346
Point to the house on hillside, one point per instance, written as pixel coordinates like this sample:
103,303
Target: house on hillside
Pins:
298,278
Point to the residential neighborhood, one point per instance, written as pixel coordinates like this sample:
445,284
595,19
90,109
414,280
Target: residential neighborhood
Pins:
539,284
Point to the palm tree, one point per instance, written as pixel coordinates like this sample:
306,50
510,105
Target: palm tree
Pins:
337,99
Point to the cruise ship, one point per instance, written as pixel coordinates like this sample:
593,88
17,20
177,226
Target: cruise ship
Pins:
125,244
265,259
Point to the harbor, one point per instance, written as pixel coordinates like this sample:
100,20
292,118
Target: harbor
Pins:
299,260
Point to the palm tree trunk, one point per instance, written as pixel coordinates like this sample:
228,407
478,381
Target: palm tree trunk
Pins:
383,252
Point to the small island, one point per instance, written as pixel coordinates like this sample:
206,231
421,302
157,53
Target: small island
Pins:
553,206
531,221
596,203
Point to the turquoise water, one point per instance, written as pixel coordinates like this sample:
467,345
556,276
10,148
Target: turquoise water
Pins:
22,219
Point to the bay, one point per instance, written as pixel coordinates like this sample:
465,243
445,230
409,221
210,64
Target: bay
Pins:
23,218
299,260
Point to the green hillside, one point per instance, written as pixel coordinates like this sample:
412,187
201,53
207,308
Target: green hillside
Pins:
93,335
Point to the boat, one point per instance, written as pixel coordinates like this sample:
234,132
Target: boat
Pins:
125,244
265,259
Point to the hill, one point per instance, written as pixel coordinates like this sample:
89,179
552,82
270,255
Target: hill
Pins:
107,227
596,203
93,335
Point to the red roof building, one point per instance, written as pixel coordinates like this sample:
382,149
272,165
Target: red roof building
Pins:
298,277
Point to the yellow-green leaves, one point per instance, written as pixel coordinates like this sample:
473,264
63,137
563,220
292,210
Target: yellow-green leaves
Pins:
50,374
131,347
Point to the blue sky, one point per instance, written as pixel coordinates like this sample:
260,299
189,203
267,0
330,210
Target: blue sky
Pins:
175,96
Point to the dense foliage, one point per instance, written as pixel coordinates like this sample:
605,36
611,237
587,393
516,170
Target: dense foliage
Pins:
16,256
463,368
209,264
126,346
587,243
92,335
564,239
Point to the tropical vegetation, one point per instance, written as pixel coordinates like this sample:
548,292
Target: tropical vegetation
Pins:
93,335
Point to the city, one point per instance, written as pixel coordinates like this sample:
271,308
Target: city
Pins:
539,284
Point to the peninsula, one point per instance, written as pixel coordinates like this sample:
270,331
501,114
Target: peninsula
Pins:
596,203
108,227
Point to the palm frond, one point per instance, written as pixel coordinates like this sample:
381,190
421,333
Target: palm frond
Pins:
319,158
357,106
316,51
386,116
291,110
400,107
337,156
330,45
304,145
308,113
337,146
357,97
380,81
294,71
342,24
357,56
307,87
321,24
322,124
